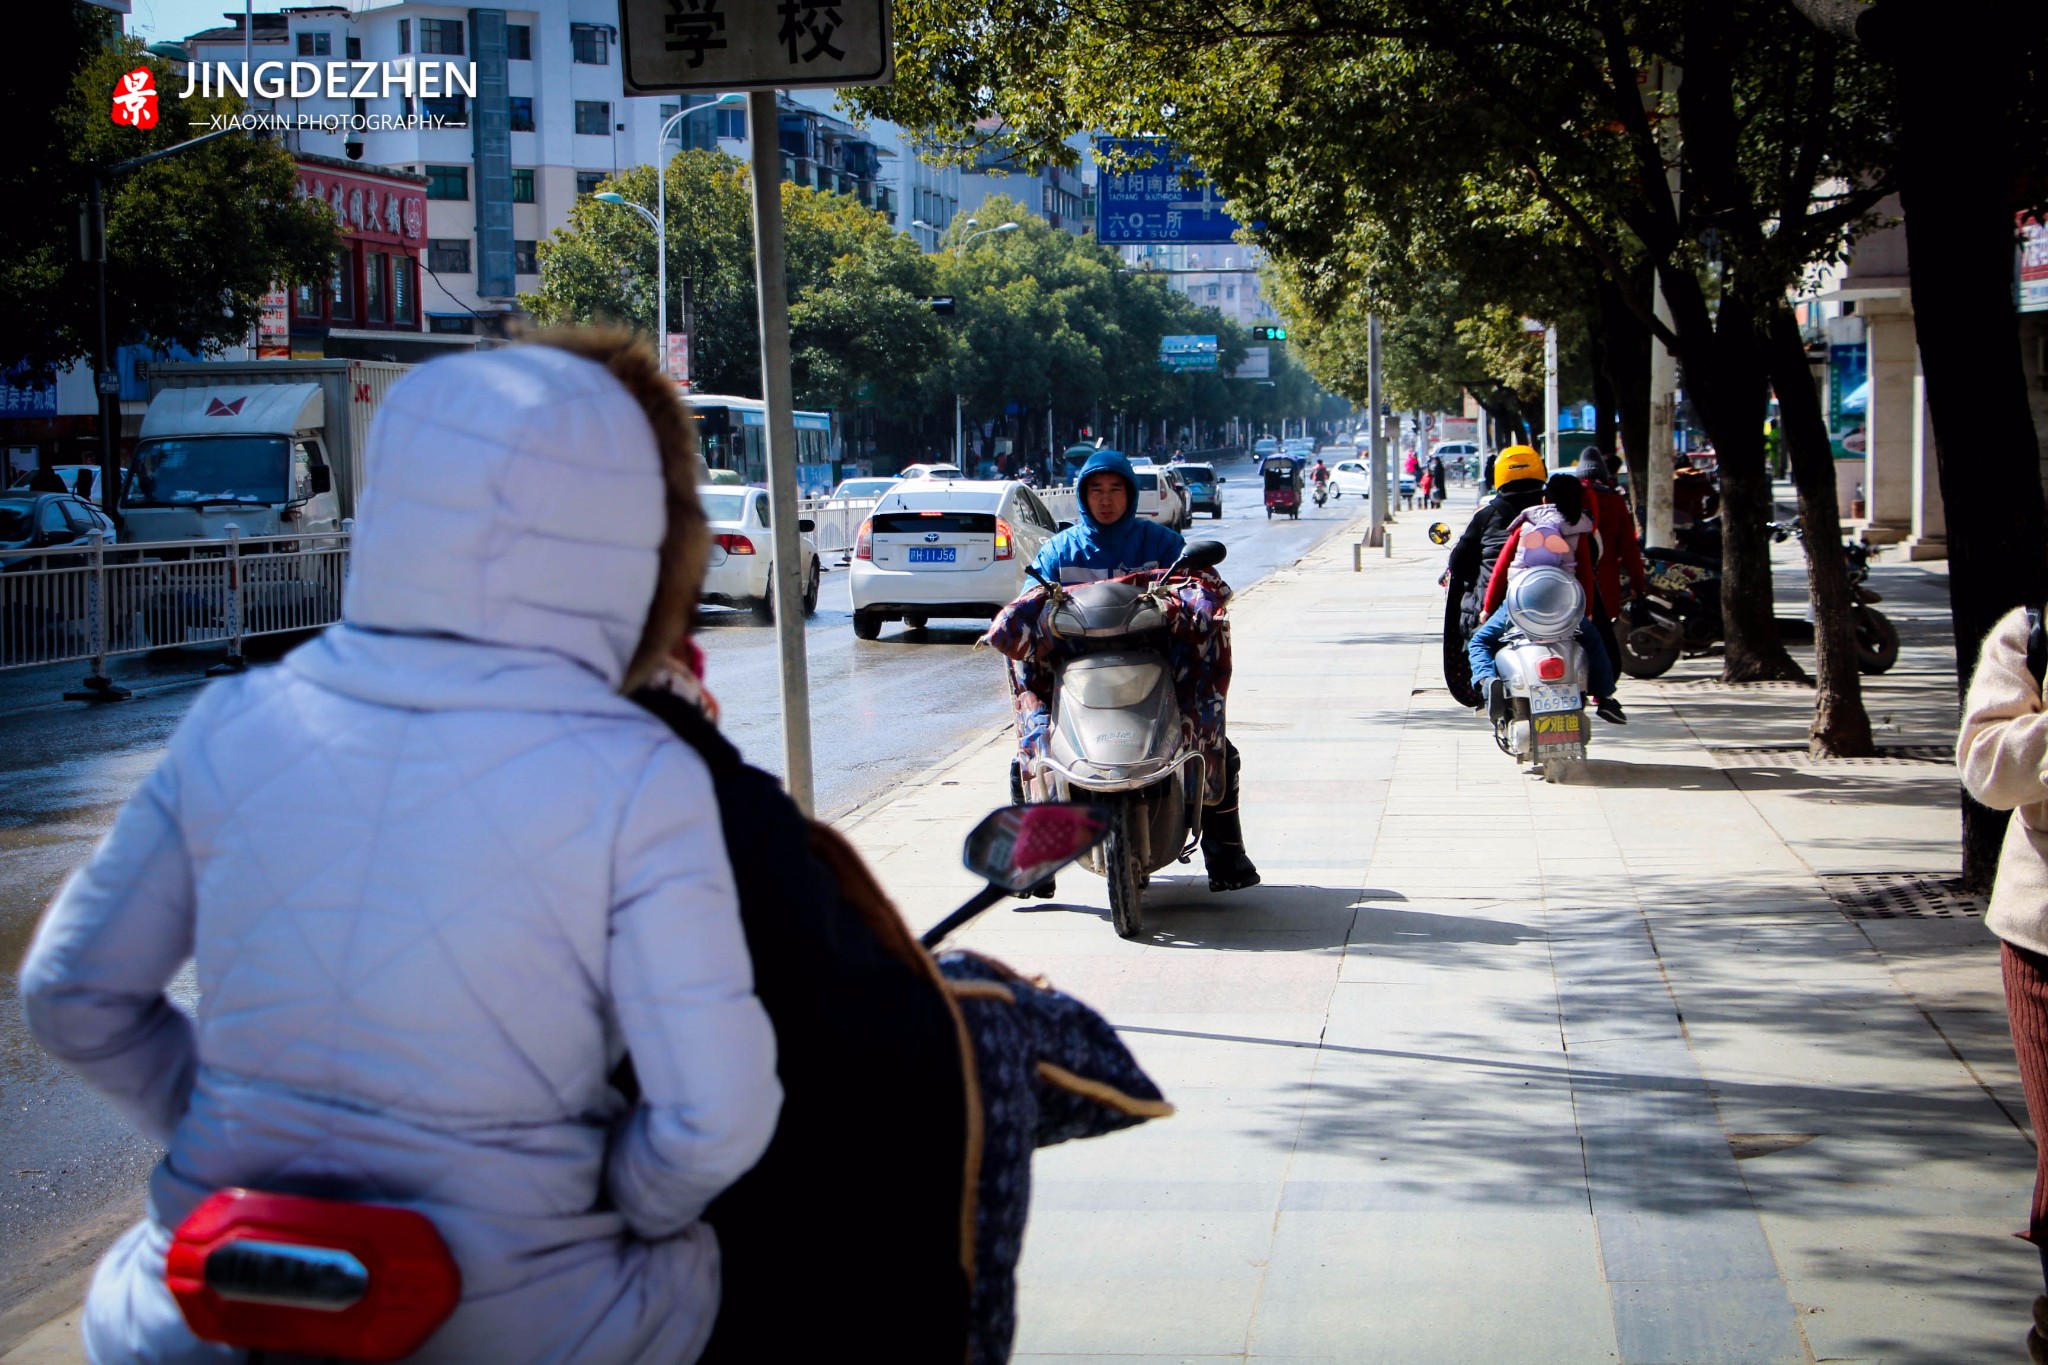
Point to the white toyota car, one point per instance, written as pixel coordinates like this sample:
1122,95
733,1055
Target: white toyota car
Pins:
741,547
945,547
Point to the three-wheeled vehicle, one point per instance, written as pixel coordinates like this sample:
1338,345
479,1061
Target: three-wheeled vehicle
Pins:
1283,486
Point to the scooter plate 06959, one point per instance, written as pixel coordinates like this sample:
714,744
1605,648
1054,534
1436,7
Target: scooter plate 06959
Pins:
1548,698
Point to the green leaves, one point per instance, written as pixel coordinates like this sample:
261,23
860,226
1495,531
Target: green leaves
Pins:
194,241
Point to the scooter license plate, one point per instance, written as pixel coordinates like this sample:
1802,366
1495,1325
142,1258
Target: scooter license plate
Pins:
1549,698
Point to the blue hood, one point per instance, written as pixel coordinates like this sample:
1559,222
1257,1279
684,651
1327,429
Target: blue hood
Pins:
1107,462
1088,550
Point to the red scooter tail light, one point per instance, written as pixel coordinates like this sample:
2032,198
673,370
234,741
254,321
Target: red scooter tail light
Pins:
1550,669
864,540
1004,548
311,1277
734,544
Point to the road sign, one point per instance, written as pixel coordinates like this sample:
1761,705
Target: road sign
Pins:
1156,196
941,306
672,45
1179,353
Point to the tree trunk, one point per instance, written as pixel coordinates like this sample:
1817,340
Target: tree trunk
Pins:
1957,154
1841,727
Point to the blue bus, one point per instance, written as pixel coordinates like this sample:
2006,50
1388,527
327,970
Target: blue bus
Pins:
732,433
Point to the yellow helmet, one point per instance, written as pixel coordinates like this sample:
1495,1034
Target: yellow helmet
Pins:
1517,462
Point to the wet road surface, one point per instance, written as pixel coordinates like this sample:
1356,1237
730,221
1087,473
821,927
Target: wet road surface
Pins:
882,711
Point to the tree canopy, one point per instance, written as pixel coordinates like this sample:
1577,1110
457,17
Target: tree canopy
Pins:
194,241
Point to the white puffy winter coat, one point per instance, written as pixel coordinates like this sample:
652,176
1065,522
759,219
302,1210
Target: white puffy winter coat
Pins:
438,876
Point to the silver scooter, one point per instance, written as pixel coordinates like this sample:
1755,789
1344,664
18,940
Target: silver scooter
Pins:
1538,703
1117,739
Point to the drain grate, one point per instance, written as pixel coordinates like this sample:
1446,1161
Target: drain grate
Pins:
1796,756
1716,685
1902,895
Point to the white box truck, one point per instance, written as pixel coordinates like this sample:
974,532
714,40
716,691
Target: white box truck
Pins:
274,446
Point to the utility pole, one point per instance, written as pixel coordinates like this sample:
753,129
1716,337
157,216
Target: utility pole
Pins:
786,584
1550,411
1656,501
1376,498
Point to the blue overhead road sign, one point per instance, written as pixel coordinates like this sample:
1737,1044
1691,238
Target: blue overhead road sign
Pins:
1156,196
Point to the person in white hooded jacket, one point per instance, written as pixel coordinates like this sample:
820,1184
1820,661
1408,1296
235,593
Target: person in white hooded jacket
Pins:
439,877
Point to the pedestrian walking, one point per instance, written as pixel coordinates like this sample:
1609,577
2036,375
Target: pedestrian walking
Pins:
439,876
2002,753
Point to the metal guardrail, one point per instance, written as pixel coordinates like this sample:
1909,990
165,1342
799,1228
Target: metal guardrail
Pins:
836,522
91,602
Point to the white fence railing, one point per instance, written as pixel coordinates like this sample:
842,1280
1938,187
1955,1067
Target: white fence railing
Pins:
93,601
835,522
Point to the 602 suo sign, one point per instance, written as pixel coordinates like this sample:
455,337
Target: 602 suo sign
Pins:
674,45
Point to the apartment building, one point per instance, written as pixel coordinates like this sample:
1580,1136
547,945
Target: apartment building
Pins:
1223,276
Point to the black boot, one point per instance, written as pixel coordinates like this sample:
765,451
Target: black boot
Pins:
1230,868
1045,889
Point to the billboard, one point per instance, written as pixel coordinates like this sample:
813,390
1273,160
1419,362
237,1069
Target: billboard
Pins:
1257,364
2033,265
1179,353
1156,196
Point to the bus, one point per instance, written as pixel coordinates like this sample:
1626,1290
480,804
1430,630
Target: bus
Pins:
732,433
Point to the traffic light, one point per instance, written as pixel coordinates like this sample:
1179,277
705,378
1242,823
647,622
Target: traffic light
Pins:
1269,333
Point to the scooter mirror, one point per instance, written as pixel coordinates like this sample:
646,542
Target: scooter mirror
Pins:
1204,554
1018,847
1439,534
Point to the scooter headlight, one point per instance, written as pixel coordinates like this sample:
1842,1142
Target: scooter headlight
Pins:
1546,603
1114,684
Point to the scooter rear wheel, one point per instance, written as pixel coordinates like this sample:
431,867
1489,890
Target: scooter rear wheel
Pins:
1647,652
1126,878
1877,641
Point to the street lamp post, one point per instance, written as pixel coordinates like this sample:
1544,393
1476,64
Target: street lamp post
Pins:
959,416
659,218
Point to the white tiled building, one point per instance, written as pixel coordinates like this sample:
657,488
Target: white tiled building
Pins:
1224,277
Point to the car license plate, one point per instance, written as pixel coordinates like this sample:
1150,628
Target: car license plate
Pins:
1549,698
934,554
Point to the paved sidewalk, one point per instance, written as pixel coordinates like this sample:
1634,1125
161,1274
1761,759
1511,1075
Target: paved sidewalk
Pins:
1490,1070
1494,1070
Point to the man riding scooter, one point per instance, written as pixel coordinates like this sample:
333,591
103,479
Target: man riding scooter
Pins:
1320,477
1110,540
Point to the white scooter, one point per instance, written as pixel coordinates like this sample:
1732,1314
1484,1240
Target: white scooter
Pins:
1117,739
1538,703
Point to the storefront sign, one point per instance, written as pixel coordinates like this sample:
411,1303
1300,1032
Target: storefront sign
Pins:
274,331
367,207
2033,265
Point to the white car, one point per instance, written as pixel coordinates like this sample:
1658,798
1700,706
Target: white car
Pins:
1160,497
932,471
862,489
953,547
1349,476
741,550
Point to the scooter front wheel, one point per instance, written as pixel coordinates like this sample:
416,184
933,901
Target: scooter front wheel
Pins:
1126,878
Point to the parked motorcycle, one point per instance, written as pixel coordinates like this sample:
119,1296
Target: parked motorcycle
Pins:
1116,737
1681,613
339,1280
1538,703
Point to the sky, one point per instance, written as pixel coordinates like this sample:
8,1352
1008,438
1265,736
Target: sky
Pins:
170,20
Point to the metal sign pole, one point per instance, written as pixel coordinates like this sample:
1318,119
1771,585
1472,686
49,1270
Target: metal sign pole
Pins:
1550,409
787,568
1376,498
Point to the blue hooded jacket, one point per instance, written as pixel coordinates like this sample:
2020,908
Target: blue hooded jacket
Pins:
1088,552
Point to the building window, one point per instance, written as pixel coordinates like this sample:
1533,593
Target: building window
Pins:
525,258
447,182
522,113
587,43
373,284
404,36
732,123
452,110
442,37
519,42
448,253
401,291
306,301
341,286
594,116
316,45
522,187
353,46
589,182
463,326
